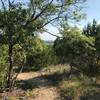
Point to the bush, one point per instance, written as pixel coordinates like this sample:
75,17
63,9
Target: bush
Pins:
3,64
19,55
38,54
78,50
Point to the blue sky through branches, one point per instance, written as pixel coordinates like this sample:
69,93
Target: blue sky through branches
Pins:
91,9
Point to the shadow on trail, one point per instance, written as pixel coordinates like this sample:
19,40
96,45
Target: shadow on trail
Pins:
49,80
32,83
40,81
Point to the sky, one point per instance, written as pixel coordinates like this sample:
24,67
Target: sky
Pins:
92,10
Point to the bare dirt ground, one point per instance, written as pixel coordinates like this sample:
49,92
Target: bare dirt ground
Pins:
43,90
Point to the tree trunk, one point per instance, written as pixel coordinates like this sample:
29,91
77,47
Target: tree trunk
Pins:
69,75
10,66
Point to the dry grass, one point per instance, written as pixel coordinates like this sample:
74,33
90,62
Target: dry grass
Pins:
76,87
56,69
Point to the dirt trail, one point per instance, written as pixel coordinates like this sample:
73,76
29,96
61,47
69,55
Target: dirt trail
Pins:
43,90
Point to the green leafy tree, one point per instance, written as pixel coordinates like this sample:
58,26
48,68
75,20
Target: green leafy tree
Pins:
36,53
78,50
87,30
3,64
95,33
91,29
94,28
17,21
97,45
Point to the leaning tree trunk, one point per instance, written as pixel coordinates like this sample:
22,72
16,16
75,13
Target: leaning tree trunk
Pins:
10,67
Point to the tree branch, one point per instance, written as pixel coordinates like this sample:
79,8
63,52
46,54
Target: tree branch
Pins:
3,5
38,15
52,34
50,21
34,10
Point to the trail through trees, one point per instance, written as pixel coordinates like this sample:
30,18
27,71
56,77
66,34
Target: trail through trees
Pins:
42,88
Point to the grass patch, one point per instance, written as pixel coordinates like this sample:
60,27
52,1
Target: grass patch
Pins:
56,69
56,73
76,87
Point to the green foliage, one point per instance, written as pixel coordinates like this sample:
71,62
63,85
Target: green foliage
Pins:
3,63
78,50
98,39
91,29
36,53
18,21
51,56
19,56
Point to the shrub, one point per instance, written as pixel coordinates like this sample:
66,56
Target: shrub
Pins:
37,53
3,64
78,50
